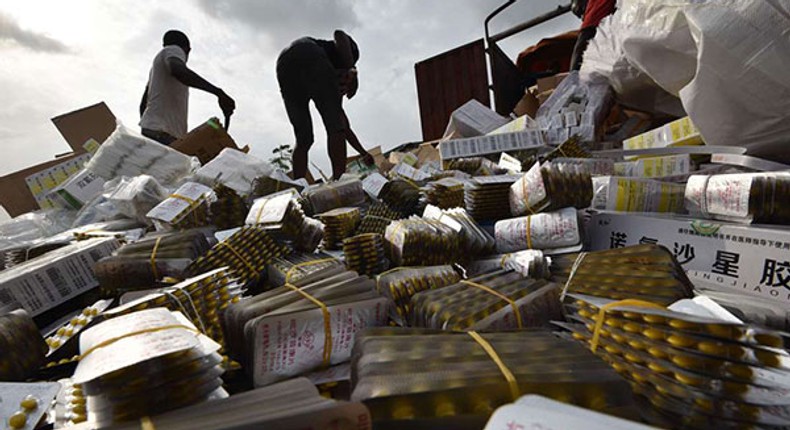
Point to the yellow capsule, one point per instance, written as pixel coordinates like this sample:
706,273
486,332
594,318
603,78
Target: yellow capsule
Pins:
657,352
63,361
29,403
704,404
680,341
78,418
77,401
585,313
653,334
636,344
740,371
81,320
638,377
654,319
612,350
618,338
55,343
68,332
612,322
767,358
61,331
769,340
632,315
73,321
725,331
78,409
76,391
633,358
632,328
655,367
579,336
620,368
17,420
688,379
662,390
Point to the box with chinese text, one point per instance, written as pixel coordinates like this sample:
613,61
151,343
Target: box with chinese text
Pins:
749,259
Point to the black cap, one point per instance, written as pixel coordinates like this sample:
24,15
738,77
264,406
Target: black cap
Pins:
175,37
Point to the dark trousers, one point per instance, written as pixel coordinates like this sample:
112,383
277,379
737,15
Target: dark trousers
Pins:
585,35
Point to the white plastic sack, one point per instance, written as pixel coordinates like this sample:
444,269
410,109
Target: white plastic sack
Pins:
727,60
128,153
234,169
605,57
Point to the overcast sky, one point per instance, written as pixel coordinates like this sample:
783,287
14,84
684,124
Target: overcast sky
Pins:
61,55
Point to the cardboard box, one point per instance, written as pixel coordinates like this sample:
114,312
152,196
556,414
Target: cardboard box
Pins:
549,83
78,190
206,141
95,122
42,283
747,259
528,105
15,196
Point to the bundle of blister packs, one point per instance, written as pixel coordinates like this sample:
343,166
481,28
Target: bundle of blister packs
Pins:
281,216
421,242
246,251
475,240
228,210
529,263
188,207
553,232
499,300
446,193
377,218
296,266
146,363
426,379
63,340
644,272
402,195
343,193
339,224
135,197
548,188
486,197
266,185
622,194
746,197
23,348
306,324
364,254
691,371
142,264
401,283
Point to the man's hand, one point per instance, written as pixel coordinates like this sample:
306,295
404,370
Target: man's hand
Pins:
368,159
227,104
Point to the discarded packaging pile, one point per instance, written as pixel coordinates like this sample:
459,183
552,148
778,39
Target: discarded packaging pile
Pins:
591,267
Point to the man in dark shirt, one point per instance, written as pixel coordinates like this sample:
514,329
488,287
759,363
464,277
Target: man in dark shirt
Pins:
322,71
595,11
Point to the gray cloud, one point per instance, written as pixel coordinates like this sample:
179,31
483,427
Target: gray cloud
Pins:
284,21
10,30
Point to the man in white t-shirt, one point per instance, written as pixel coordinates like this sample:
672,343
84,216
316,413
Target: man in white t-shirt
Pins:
163,110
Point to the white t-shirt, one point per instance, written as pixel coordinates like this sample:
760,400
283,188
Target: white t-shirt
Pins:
168,99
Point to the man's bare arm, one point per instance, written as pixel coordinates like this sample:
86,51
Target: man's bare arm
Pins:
185,75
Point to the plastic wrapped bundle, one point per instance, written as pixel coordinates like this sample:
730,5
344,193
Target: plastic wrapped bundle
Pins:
267,333
135,197
411,378
364,254
401,283
343,193
529,263
339,224
228,210
446,193
144,263
247,252
575,108
420,242
500,300
126,153
290,405
476,166
201,298
570,148
22,345
747,197
644,272
188,207
485,197
475,240
620,194
266,185
596,166
552,232
402,195
281,216
548,188
695,370
146,363
234,169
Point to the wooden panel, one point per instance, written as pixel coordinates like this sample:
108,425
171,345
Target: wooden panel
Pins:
447,81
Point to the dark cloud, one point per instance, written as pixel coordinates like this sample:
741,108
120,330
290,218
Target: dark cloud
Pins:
10,30
284,21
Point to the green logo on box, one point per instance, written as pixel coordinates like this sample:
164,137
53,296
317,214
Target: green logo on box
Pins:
705,228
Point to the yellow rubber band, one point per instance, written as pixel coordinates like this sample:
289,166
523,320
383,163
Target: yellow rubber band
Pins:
306,263
327,356
509,377
260,212
503,259
240,257
146,424
493,292
192,205
526,193
602,313
153,258
112,340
